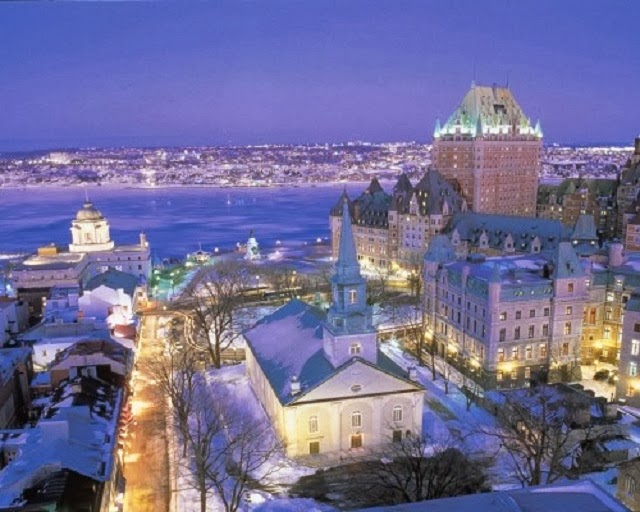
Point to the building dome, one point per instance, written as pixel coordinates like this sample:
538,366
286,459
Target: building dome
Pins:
88,212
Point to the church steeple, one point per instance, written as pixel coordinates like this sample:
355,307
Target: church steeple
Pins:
347,263
349,330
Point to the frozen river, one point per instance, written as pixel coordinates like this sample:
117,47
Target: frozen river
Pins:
176,220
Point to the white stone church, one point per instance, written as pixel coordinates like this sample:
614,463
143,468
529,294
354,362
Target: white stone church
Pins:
322,379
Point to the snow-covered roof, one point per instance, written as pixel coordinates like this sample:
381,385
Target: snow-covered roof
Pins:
288,343
583,495
77,432
114,279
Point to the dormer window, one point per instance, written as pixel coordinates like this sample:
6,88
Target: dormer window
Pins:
353,295
355,349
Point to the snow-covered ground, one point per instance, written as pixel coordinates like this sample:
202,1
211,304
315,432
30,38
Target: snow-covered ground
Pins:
599,387
278,474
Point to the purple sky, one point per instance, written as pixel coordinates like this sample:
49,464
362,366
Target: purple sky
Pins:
240,72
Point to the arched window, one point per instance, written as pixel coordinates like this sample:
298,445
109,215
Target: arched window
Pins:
313,424
355,349
356,419
397,413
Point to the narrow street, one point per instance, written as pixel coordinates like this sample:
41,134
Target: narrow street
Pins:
146,467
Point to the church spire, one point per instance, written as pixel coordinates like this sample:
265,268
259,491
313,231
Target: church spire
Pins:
347,263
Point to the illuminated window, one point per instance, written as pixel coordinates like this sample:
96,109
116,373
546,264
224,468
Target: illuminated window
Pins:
543,350
499,375
500,354
353,295
565,349
635,347
569,310
356,419
567,328
528,352
397,413
514,353
503,315
633,369
313,424
570,287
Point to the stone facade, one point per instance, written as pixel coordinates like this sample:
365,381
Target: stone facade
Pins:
514,318
392,231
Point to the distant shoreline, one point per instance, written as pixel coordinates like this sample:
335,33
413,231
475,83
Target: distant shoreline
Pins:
129,186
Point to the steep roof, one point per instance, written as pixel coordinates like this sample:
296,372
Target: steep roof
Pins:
567,262
524,230
491,109
347,263
440,250
288,343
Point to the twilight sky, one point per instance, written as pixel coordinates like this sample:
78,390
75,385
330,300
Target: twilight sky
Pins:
251,72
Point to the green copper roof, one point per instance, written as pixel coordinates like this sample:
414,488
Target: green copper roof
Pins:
488,110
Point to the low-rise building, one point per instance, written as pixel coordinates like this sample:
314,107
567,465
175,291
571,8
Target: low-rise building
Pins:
75,443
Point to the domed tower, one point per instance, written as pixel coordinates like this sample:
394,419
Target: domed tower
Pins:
90,231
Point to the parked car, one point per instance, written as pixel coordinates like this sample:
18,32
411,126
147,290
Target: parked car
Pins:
613,377
601,375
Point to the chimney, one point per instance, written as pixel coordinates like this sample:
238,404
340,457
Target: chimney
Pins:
143,240
616,257
295,386
413,373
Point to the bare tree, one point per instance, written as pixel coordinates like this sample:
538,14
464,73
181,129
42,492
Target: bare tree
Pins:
537,435
283,279
216,300
418,468
223,448
377,287
413,319
247,454
175,374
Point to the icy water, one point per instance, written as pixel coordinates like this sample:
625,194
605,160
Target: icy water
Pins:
176,220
